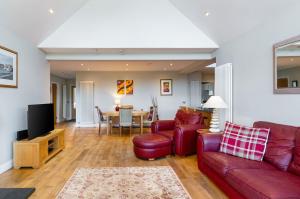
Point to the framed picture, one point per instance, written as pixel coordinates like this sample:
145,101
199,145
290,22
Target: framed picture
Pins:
295,83
166,87
8,68
129,87
121,87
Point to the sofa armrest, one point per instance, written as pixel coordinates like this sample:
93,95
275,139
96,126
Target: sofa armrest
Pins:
209,142
161,125
186,139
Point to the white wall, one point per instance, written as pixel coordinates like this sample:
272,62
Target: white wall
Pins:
34,85
252,60
146,84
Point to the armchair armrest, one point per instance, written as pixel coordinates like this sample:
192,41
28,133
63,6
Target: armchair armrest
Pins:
161,125
209,142
186,139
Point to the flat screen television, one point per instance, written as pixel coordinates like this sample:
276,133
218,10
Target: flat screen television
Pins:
40,120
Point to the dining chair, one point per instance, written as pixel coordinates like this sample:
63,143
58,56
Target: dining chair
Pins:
125,114
101,118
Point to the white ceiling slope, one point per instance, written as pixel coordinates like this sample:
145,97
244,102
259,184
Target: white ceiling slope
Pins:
31,19
128,24
231,18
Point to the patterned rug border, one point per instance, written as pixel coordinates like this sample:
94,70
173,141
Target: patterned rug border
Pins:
96,168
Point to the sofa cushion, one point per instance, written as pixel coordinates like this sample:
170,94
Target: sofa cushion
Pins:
258,183
169,134
280,143
222,163
295,165
245,142
179,118
184,117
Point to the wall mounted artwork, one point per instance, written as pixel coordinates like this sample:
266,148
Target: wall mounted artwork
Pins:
129,87
8,68
120,87
125,87
166,87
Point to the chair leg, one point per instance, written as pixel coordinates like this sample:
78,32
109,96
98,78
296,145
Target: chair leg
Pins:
99,130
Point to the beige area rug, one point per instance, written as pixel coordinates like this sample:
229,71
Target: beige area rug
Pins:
124,183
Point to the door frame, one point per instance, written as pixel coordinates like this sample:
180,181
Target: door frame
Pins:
57,105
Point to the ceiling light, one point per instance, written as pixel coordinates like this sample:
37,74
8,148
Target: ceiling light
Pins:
292,59
51,11
81,64
171,64
207,14
127,64
88,69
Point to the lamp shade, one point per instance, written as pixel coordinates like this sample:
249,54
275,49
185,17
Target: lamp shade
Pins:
117,101
215,102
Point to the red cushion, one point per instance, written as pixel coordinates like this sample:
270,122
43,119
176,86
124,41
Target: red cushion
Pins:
169,134
258,183
151,141
184,117
280,144
245,142
295,165
222,163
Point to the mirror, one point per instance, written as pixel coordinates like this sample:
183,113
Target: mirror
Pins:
287,66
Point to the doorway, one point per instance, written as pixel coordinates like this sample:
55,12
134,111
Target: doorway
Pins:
54,99
73,102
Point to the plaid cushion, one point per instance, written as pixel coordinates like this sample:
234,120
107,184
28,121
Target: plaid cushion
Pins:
245,142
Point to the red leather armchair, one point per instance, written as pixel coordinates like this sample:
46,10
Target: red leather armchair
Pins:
181,131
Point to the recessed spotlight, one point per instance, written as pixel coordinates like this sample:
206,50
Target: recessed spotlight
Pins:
292,59
127,64
171,64
88,69
207,14
81,64
51,11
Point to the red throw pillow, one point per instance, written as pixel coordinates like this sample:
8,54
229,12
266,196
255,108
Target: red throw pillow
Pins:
245,142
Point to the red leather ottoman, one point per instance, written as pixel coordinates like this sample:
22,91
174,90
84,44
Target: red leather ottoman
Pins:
151,146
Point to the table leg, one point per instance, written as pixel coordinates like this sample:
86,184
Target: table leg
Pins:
142,124
107,126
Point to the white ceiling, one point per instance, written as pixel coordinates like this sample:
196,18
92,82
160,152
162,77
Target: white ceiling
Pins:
231,18
228,19
67,69
31,19
128,24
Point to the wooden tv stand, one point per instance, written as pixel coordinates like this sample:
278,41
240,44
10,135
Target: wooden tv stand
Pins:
36,152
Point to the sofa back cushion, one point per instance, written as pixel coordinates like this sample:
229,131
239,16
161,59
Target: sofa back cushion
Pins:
281,142
185,117
244,142
295,165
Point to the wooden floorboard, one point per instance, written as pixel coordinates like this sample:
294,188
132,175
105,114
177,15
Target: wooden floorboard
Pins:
84,148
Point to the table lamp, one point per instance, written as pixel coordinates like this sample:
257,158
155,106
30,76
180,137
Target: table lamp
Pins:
117,103
215,102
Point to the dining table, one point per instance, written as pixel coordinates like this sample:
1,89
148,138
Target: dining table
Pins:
135,113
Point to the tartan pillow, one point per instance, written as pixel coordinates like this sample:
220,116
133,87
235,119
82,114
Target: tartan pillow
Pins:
245,142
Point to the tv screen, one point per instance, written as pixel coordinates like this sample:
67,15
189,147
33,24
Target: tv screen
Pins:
40,120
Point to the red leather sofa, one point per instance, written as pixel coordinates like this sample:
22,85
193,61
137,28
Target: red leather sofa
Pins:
276,177
181,131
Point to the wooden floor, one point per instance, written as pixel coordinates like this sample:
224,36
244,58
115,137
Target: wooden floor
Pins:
84,148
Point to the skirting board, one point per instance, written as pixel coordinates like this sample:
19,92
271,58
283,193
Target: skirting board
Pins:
6,166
